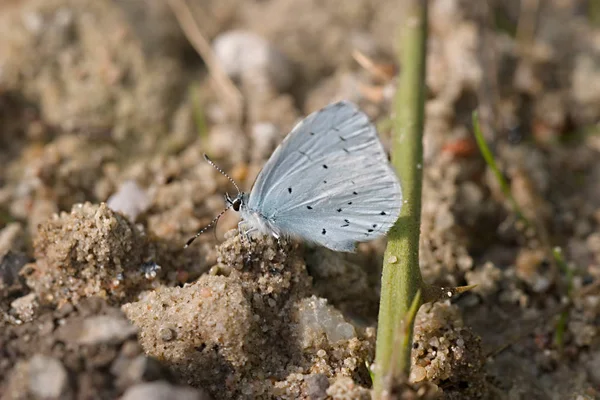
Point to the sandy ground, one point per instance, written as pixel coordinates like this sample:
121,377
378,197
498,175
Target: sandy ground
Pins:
106,110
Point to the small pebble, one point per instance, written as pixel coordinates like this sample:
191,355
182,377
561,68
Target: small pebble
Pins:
417,373
130,200
265,136
47,377
316,386
163,390
246,55
10,265
166,334
24,307
316,318
105,329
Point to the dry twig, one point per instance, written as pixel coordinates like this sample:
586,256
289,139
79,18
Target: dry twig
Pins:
224,86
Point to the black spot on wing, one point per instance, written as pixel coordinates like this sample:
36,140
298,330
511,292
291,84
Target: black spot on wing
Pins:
323,231
382,213
290,190
309,207
325,166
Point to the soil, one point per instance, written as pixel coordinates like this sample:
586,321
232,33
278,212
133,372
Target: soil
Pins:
106,111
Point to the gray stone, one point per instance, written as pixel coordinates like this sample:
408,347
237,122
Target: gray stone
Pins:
316,386
10,265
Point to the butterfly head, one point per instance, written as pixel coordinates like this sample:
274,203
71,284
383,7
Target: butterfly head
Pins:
236,203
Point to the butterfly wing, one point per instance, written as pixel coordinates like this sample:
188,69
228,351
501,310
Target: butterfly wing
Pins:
329,181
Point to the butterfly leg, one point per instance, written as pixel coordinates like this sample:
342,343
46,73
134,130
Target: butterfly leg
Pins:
278,238
244,231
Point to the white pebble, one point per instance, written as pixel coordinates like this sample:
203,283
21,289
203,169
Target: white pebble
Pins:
102,329
47,377
130,199
317,318
244,54
417,373
265,136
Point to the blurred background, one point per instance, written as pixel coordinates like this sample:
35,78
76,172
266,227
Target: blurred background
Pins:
116,101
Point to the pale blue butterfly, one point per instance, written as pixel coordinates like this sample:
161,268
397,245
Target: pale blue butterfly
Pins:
329,182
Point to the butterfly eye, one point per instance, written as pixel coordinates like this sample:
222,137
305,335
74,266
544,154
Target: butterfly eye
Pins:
236,204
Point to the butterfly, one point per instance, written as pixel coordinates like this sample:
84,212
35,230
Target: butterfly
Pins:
329,182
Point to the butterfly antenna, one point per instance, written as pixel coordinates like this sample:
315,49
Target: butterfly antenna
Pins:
201,231
208,160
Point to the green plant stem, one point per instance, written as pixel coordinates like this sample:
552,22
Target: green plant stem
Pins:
594,12
561,325
491,162
405,340
401,277
198,113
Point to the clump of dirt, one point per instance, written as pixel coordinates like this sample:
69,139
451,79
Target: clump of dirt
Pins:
447,353
222,332
91,251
